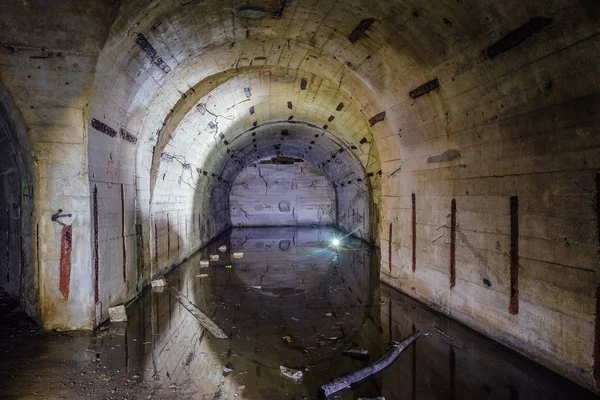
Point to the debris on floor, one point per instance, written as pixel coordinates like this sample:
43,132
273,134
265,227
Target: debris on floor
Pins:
229,266
160,282
341,383
328,314
238,254
371,398
357,354
256,287
291,373
288,339
227,369
223,249
202,318
202,276
444,334
204,264
214,257
117,314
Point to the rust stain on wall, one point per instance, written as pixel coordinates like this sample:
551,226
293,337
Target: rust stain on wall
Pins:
453,244
377,118
123,234
96,261
102,127
360,30
414,233
390,249
66,246
597,325
519,35
513,307
424,88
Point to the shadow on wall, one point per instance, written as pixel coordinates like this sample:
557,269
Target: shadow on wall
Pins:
18,270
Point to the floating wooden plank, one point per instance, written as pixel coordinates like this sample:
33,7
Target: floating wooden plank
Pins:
202,318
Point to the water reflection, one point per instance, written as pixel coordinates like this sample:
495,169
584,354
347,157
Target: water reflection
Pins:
290,282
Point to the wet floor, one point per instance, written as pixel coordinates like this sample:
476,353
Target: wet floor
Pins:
291,301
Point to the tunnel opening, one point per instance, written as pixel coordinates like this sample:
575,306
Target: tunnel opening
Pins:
285,174
17,274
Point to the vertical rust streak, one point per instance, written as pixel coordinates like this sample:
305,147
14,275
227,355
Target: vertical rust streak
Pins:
597,326
96,253
452,374
390,319
414,233
453,244
514,255
155,243
66,248
123,234
414,366
390,249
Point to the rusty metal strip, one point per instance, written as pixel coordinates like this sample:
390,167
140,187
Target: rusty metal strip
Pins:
123,234
424,88
518,36
151,52
453,244
514,255
597,325
128,136
414,233
303,84
360,30
390,250
102,127
96,253
452,373
377,118
66,247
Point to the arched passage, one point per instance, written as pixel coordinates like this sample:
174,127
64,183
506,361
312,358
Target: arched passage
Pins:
18,271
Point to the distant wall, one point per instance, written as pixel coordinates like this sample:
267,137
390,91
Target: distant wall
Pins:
281,194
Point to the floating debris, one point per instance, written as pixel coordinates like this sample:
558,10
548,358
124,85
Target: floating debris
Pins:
291,373
117,314
288,339
160,282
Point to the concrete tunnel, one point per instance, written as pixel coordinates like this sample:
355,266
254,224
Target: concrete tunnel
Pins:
460,139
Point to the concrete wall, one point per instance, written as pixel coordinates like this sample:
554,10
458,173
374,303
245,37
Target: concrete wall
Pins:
267,194
140,114
47,65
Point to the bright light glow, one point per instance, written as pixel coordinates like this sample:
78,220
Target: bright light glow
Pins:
336,242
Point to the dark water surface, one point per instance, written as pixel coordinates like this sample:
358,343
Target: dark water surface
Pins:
291,283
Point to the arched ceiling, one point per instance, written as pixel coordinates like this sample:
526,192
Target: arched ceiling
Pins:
185,77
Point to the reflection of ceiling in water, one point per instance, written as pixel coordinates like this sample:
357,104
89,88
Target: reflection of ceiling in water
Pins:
285,262
320,298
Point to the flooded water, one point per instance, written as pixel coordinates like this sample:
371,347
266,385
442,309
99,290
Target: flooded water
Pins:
295,301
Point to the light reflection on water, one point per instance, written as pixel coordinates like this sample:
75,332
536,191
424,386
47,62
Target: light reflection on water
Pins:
290,282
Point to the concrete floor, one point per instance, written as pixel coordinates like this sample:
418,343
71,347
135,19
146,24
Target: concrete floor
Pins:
289,283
